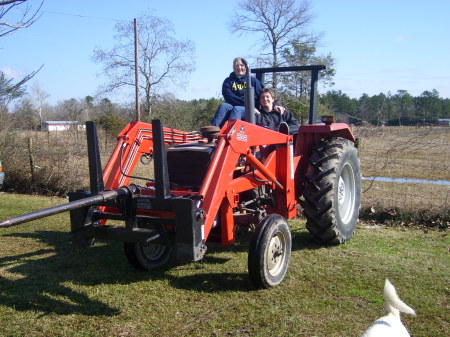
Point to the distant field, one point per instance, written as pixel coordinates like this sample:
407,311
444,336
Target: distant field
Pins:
406,152
49,289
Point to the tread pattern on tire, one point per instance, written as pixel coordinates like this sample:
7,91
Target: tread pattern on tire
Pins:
319,194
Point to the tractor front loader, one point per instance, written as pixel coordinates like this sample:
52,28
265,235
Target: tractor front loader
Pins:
207,187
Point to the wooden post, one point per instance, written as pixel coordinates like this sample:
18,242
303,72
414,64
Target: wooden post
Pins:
31,158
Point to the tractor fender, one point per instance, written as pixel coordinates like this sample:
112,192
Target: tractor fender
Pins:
332,130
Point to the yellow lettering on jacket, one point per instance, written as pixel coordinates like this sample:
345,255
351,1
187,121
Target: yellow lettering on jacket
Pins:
239,86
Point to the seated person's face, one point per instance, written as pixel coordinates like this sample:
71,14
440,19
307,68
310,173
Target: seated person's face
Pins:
239,68
266,101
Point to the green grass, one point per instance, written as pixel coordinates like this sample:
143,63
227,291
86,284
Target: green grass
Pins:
47,288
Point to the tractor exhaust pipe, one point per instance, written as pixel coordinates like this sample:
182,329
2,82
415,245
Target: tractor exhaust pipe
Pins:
250,101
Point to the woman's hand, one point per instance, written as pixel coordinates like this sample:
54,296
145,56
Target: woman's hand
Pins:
280,109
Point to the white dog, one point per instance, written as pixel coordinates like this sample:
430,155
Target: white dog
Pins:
390,325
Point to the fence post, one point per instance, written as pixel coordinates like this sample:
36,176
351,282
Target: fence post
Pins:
31,158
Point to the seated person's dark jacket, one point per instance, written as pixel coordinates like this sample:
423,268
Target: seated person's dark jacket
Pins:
273,119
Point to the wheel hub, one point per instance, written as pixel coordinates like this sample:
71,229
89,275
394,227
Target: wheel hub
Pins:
275,255
346,194
341,191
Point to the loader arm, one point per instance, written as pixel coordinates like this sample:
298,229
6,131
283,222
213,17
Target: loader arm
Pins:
237,139
135,140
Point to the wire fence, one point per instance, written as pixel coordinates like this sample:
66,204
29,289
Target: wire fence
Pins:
418,160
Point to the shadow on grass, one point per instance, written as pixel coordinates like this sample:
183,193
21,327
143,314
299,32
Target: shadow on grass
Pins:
212,282
219,282
302,240
36,280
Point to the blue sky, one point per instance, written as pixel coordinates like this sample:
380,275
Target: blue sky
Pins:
378,45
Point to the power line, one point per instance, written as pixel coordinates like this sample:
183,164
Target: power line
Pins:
84,16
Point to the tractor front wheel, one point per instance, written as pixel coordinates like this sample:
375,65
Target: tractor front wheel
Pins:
269,252
332,194
146,256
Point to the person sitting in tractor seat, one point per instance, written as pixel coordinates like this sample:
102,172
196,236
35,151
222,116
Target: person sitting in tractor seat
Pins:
233,91
269,117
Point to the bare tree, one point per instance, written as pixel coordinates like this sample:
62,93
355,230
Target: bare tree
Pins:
74,109
38,97
14,15
17,14
69,110
277,21
163,60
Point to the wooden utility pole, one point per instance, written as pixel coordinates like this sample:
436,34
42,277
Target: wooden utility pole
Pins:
136,70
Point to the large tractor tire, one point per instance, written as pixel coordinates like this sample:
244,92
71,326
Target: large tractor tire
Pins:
332,194
146,256
269,252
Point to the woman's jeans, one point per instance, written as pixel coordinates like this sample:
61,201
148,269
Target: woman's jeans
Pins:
226,111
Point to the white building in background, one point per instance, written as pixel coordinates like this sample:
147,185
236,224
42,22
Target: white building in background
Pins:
62,125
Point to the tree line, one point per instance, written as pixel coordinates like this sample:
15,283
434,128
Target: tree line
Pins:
398,109
112,117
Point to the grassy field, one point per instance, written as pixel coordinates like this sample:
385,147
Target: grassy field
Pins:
47,288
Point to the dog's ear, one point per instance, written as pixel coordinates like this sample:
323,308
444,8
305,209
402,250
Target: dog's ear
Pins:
393,302
389,288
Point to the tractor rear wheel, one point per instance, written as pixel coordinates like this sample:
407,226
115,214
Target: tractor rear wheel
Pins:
269,252
332,194
146,256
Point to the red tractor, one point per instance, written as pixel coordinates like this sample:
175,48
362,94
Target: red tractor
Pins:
207,187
